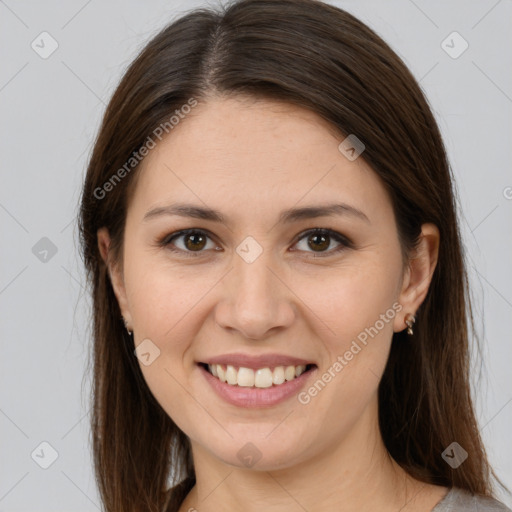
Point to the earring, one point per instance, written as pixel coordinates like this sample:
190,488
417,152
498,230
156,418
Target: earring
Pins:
126,325
409,321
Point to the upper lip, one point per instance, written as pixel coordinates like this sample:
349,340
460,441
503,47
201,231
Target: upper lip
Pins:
255,362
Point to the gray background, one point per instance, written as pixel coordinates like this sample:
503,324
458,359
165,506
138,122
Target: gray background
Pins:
50,112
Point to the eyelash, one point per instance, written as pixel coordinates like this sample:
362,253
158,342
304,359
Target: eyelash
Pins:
344,242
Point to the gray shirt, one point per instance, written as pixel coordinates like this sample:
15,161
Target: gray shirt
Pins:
459,500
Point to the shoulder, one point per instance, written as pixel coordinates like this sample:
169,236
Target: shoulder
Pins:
461,500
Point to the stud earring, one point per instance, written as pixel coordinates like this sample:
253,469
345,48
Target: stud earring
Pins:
126,325
409,321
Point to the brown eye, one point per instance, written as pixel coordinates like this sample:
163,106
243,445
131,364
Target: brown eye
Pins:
319,240
194,241
189,242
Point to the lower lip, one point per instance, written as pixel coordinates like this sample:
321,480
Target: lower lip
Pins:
257,397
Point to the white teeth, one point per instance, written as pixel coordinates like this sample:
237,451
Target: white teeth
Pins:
300,369
231,375
289,372
221,372
278,376
261,378
245,377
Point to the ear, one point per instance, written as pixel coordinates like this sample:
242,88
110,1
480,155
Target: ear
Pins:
115,274
418,274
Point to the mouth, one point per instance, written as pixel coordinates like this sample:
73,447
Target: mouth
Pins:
262,378
259,387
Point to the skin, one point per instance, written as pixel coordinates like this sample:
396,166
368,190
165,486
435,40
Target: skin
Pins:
251,159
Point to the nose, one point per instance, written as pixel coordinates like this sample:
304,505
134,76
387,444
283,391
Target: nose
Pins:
257,302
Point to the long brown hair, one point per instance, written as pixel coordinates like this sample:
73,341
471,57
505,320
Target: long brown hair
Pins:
324,59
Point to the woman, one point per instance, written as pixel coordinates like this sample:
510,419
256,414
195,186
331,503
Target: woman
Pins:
279,288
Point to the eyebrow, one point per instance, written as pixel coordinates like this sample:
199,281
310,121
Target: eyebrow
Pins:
286,216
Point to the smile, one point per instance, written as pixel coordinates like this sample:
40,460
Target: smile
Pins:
259,378
256,388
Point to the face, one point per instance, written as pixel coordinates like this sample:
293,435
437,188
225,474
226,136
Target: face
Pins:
326,287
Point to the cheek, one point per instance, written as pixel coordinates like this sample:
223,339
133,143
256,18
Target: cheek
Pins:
166,308
164,297
353,310
351,297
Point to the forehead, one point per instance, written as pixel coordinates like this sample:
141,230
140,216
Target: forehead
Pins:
243,155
